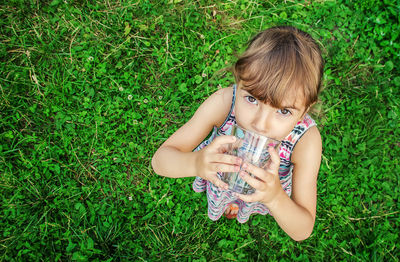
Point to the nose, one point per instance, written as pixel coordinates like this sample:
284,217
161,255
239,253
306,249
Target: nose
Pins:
261,122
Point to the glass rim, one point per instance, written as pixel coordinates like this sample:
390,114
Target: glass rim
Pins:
249,131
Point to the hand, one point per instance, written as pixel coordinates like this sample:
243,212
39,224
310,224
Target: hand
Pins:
266,181
212,159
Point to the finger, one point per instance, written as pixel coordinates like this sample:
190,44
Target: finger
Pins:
274,162
256,171
246,198
229,147
222,140
221,167
252,181
225,148
218,182
228,159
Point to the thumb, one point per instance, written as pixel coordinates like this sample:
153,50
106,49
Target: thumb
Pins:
275,161
220,141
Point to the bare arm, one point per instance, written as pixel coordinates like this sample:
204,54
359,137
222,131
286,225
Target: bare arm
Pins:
296,215
175,157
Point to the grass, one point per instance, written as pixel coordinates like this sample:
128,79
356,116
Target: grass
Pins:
89,90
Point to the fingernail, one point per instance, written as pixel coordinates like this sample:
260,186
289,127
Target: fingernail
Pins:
244,166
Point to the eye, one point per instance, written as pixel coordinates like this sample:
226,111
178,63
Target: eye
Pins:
284,112
251,100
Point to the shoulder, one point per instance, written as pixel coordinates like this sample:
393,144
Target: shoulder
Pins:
217,106
222,97
210,113
306,158
308,148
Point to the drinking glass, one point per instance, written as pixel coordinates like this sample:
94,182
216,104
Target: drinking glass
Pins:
252,148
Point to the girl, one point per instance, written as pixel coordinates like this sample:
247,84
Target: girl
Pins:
278,79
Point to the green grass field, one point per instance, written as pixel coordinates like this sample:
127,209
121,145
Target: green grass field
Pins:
90,89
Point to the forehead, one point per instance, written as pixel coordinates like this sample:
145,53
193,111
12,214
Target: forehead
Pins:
294,99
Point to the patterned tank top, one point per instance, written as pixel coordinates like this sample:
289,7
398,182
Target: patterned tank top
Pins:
219,200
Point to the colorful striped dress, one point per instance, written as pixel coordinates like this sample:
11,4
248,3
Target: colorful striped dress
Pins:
219,200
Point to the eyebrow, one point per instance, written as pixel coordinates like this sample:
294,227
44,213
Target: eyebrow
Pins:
291,107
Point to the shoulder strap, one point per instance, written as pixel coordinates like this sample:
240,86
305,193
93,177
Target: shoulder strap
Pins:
231,112
294,136
233,99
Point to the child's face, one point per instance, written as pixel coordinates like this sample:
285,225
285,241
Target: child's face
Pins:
264,119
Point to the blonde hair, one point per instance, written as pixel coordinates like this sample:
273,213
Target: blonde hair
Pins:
280,60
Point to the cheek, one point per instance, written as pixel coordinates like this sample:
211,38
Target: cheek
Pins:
244,113
281,128
240,114
285,129
241,120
